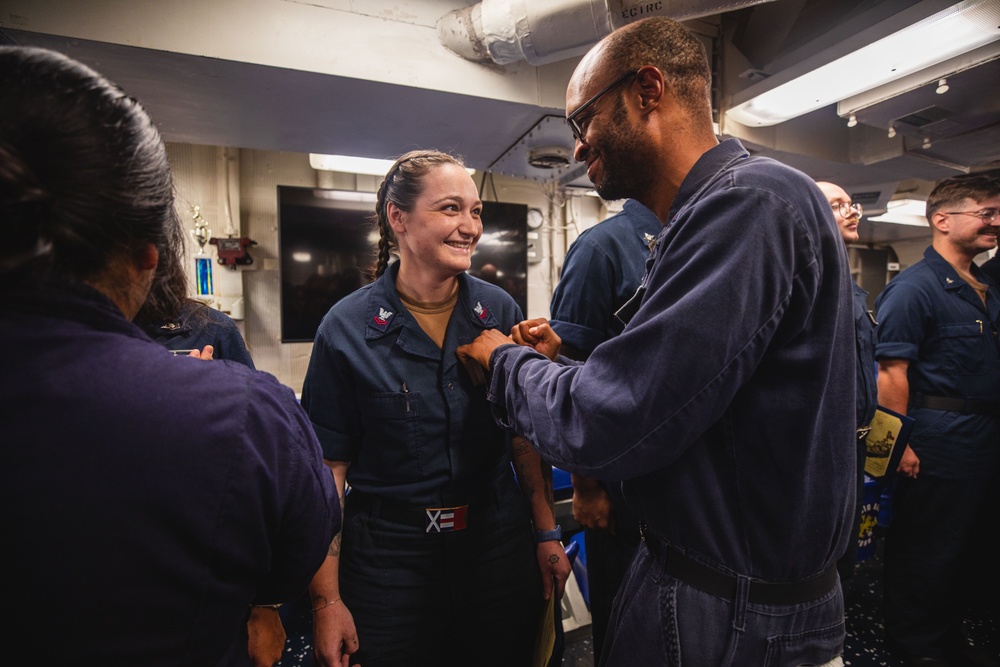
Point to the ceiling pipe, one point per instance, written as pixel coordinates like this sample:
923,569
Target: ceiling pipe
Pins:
509,31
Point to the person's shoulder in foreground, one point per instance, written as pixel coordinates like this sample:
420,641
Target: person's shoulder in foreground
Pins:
187,490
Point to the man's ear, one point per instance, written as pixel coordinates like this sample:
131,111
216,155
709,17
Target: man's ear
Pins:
652,87
939,222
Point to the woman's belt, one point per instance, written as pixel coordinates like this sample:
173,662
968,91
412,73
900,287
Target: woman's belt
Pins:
968,406
431,519
720,584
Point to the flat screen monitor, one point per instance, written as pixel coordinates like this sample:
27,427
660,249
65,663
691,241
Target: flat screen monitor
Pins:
501,256
327,246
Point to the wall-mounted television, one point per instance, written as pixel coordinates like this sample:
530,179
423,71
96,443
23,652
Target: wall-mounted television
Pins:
327,245
501,256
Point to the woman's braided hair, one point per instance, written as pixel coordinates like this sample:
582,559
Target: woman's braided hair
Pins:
402,186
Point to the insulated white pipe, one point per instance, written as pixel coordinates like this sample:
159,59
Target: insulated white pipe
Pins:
509,31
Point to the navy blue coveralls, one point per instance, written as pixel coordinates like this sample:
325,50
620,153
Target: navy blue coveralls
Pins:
931,317
865,332
418,434
151,498
867,402
199,325
727,409
603,268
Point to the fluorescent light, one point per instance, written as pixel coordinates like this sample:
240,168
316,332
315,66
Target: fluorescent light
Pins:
946,34
904,212
349,164
346,195
302,256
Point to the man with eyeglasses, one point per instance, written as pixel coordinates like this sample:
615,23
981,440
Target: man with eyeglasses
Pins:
723,403
939,363
848,216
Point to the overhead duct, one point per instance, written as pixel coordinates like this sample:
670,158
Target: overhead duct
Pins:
509,31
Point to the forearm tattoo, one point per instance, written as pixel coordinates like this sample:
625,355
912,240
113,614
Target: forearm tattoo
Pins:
521,447
335,547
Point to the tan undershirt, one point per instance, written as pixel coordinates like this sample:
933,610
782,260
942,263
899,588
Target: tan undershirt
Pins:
973,283
432,317
979,287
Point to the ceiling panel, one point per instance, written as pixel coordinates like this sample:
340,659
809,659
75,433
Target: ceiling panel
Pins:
211,101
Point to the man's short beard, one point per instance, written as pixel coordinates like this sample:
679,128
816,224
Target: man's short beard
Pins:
621,157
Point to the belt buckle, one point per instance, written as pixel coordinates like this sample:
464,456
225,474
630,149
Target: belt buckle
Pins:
446,519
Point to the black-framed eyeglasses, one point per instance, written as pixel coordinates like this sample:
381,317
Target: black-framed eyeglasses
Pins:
571,119
986,215
846,209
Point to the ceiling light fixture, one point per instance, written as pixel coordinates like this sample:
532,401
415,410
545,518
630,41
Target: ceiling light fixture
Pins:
892,131
904,212
927,143
942,87
350,164
346,195
958,29
852,121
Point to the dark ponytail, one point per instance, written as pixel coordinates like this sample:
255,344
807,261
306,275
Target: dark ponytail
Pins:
84,178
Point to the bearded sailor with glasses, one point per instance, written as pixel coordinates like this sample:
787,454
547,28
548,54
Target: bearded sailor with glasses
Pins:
939,363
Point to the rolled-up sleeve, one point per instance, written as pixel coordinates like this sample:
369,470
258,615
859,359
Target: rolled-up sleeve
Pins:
329,398
903,313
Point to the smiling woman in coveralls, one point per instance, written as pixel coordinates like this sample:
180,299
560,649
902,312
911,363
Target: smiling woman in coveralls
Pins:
438,560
